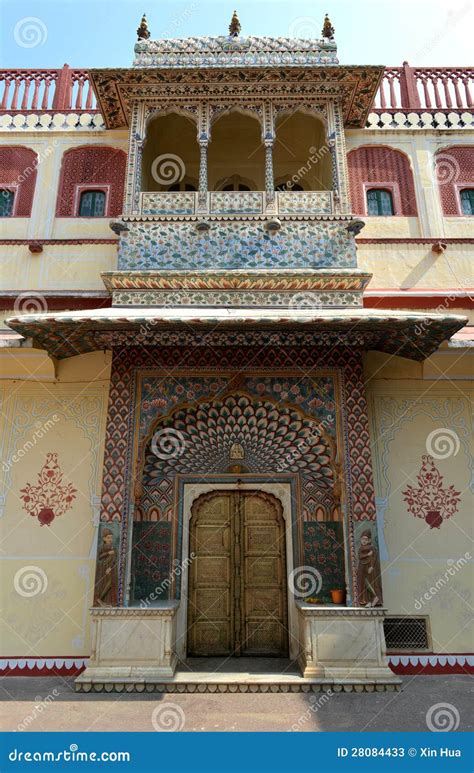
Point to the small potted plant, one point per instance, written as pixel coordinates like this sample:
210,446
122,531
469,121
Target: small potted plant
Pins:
337,595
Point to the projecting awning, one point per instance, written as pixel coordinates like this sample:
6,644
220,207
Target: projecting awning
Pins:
405,334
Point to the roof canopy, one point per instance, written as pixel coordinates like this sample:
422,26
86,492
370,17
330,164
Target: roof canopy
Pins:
411,335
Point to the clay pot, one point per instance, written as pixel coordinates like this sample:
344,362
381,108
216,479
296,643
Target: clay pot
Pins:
46,516
338,596
434,519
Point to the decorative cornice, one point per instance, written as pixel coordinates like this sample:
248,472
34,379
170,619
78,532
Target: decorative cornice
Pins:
238,280
164,610
413,240
117,89
312,610
58,241
405,334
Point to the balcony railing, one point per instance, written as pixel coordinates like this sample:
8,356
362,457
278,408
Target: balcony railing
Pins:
426,88
59,91
237,203
402,88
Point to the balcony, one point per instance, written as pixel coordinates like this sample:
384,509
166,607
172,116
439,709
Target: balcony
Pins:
236,203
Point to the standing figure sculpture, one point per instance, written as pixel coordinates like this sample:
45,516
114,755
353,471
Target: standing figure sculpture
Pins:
106,586
369,587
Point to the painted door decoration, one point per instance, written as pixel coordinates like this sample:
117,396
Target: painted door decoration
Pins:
237,603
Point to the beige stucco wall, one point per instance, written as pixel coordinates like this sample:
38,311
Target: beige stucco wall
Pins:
65,416
416,409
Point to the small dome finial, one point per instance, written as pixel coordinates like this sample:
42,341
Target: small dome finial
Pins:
143,33
328,29
234,26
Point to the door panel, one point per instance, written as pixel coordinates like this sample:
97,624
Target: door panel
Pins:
210,581
237,583
265,627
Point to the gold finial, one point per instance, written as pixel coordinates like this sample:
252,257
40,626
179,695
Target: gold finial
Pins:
234,26
328,29
143,32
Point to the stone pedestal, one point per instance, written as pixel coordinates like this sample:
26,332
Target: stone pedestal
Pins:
343,644
130,644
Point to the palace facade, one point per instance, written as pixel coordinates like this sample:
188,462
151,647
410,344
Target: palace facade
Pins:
236,365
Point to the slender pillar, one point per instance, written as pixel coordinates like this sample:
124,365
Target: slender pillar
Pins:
270,199
203,182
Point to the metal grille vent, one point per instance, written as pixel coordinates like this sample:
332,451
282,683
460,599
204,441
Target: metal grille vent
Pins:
407,633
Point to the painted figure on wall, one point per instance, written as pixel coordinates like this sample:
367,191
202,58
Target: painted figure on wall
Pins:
106,585
369,588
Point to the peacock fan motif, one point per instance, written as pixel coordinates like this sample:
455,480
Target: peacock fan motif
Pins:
271,438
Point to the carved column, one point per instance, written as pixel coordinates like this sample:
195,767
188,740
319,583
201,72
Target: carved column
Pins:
134,162
336,138
203,137
203,182
269,141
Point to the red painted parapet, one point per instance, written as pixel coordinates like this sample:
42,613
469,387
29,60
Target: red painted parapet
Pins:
46,90
425,88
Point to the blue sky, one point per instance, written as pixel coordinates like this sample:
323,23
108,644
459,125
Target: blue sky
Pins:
95,33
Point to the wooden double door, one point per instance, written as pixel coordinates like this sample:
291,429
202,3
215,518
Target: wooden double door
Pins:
237,600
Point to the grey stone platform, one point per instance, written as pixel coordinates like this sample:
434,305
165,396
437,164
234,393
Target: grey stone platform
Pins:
234,675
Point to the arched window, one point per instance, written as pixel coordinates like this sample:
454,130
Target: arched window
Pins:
288,186
379,202
184,185
382,168
95,169
467,201
7,198
18,168
92,204
235,183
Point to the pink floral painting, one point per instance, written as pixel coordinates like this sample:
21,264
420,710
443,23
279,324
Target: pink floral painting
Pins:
430,500
49,498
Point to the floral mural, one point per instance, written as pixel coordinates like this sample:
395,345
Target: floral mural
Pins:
430,500
50,498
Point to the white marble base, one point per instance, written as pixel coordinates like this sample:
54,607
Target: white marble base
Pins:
343,644
130,644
